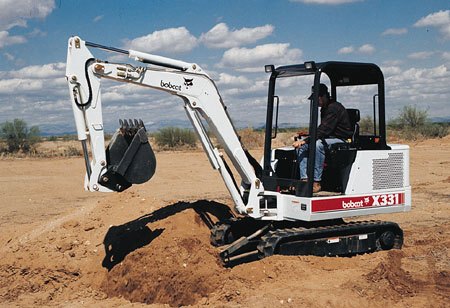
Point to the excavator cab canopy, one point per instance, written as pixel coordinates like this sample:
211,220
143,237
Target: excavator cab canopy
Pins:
340,74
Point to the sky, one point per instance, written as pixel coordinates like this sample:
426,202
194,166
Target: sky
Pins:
231,40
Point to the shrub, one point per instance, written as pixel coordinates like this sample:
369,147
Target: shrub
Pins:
411,116
366,125
173,137
72,151
19,137
433,130
250,138
413,124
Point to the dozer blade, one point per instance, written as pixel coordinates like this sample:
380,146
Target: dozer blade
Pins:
130,158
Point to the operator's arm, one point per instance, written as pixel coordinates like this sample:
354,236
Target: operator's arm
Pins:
327,127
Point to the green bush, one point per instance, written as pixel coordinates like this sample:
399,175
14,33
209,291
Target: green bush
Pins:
433,130
18,137
366,125
411,117
72,151
251,139
413,124
174,137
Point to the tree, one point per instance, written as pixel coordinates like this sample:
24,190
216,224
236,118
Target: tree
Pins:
411,116
18,136
414,123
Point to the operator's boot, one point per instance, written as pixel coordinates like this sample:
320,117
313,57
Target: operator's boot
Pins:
316,187
130,158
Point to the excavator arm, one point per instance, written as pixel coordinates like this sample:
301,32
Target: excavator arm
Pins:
129,158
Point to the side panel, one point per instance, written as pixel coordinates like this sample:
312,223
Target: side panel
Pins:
379,170
289,207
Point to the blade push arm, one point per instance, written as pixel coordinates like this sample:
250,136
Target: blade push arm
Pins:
185,80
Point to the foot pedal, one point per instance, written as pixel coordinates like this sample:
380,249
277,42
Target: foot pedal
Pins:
130,158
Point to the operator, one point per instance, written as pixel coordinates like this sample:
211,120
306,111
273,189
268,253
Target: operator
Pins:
334,127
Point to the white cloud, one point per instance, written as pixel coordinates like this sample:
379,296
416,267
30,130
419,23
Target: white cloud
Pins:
437,19
46,71
98,18
254,59
231,81
390,70
16,12
16,85
346,50
446,56
29,85
364,49
220,36
9,56
330,2
37,33
395,31
426,87
6,39
440,20
392,62
421,55
175,40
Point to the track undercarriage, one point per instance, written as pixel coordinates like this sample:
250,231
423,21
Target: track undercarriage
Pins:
245,240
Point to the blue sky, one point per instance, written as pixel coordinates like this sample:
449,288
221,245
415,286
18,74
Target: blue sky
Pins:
232,40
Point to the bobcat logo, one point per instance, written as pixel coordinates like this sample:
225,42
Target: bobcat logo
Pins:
188,82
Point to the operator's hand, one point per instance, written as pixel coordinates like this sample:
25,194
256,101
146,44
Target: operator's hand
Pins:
298,143
302,133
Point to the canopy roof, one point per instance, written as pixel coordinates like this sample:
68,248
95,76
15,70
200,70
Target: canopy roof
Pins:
340,73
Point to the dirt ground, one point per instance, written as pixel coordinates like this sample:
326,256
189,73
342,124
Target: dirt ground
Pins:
62,246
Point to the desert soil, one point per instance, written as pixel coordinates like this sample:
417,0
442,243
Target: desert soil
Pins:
62,246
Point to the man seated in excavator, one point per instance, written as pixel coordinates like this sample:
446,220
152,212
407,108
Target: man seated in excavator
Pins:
334,128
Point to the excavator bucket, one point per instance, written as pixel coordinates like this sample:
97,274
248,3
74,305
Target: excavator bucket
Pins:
130,158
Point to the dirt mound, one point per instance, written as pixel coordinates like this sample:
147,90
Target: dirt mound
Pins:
390,276
176,264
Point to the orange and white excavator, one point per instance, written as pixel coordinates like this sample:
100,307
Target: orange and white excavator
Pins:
278,213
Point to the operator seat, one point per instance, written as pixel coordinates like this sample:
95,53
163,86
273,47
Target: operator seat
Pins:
340,157
354,116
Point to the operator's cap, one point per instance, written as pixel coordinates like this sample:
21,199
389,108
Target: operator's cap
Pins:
323,90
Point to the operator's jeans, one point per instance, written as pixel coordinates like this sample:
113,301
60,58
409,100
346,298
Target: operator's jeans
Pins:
302,154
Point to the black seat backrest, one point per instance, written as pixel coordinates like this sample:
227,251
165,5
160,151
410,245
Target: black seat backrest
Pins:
354,116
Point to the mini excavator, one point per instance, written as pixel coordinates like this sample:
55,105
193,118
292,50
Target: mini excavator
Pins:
278,213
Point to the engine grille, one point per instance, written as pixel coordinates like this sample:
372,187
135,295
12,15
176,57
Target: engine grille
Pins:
388,172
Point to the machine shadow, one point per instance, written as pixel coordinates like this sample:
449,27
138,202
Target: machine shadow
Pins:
121,240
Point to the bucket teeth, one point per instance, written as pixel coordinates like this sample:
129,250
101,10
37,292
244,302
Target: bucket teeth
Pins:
130,126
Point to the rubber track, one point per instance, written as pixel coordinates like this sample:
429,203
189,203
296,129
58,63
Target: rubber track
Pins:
270,242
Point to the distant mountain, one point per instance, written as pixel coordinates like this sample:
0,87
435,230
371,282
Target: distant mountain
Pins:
441,119
57,130
69,129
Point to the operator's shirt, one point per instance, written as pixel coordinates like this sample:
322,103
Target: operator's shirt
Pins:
334,122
